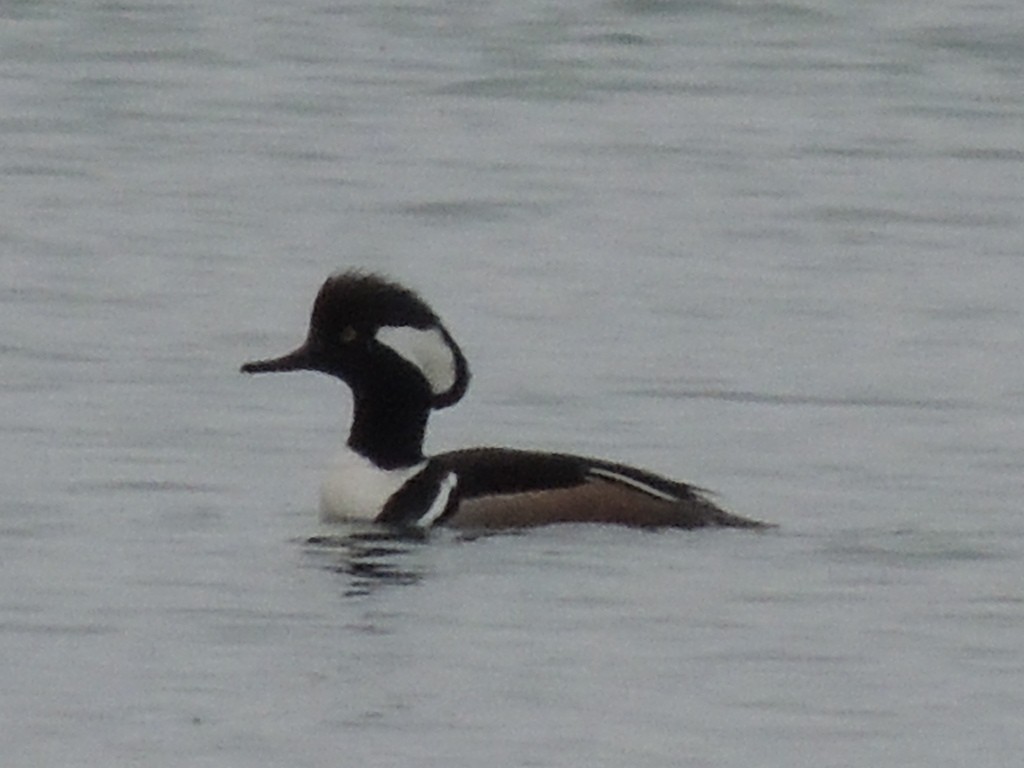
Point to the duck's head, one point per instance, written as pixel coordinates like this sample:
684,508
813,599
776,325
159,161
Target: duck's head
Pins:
377,336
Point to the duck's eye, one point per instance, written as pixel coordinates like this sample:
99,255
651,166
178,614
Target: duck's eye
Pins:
348,335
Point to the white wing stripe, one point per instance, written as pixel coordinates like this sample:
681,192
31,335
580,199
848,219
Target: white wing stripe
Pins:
616,477
444,492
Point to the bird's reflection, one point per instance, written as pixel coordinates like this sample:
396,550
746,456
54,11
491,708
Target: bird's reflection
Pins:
372,559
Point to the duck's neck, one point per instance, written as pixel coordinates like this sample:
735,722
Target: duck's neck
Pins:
388,428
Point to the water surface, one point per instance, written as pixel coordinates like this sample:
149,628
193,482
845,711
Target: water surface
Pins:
770,248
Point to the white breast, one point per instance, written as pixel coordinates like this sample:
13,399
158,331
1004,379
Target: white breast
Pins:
356,489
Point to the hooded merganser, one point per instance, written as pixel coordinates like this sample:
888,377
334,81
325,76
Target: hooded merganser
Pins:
400,362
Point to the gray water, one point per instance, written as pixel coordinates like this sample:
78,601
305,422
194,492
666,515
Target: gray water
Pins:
775,249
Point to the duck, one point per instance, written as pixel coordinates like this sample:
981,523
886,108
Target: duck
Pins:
401,363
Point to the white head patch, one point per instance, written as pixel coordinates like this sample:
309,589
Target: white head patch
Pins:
426,349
